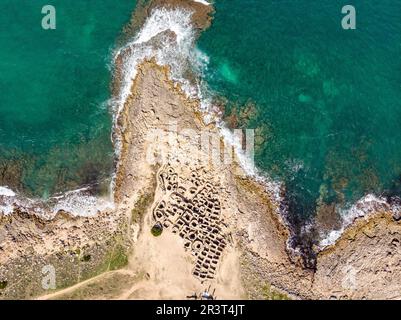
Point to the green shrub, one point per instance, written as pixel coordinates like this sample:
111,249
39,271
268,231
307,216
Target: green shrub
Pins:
157,230
3,284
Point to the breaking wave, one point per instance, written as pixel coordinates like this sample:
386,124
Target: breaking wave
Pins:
78,202
169,37
366,206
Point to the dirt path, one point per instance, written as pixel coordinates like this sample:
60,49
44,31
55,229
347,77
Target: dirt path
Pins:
159,268
66,291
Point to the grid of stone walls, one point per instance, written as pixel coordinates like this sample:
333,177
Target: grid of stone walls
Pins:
191,208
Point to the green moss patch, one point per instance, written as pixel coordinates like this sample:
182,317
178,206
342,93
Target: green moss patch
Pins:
119,258
86,258
270,293
3,284
144,202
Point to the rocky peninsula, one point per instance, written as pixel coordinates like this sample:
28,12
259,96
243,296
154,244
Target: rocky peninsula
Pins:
220,227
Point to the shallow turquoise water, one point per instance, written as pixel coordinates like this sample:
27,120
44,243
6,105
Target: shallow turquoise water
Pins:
55,125
328,101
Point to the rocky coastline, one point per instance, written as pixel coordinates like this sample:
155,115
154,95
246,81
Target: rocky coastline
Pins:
162,166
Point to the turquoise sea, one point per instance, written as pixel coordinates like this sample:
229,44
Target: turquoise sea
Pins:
325,102
55,124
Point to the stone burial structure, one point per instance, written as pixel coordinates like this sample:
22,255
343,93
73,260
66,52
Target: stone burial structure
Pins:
191,209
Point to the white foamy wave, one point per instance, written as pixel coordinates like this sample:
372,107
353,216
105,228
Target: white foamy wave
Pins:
79,203
331,238
363,208
6,200
246,161
203,2
6,192
169,37
6,208
76,203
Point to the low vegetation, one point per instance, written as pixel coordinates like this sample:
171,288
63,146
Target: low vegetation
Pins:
270,293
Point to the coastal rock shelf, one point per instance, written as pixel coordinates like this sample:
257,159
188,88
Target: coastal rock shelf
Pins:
249,232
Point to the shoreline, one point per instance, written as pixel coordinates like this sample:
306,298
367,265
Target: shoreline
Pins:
12,200
210,113
259,236
253,232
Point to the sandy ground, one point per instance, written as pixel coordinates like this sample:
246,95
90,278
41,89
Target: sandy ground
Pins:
160,268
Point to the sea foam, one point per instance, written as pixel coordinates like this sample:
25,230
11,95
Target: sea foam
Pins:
363,208
203,2
167,51
168,36
6,192
78,202
180,54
